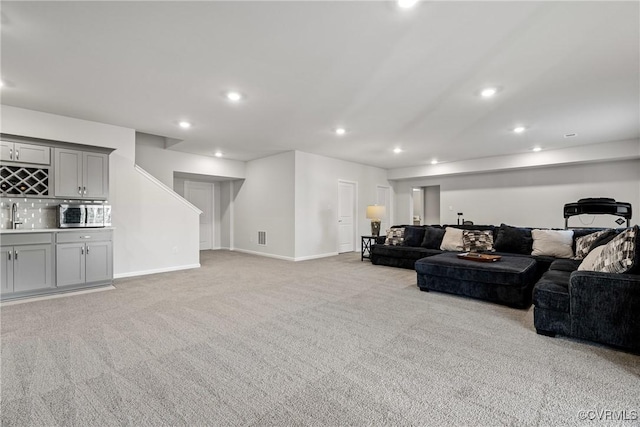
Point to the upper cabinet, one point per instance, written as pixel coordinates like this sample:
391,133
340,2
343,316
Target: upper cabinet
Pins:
24,153
81,174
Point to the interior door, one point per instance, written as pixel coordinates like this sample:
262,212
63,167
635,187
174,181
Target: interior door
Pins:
346,215
200,194
384,199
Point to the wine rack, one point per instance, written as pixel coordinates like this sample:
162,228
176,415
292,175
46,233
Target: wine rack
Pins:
24,181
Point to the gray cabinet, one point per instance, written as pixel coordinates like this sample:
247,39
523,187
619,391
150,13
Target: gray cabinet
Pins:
24,153
81,174
26,267
84,258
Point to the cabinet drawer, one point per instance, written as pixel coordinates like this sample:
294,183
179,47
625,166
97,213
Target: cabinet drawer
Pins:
26,239
83,236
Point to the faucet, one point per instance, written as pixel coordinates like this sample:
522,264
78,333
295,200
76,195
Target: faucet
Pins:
14,216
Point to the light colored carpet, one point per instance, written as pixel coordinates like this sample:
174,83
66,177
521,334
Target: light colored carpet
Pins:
247,340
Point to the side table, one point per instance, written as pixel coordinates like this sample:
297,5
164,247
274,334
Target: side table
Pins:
365,246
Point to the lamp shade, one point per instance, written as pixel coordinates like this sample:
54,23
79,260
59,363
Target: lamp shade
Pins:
376,212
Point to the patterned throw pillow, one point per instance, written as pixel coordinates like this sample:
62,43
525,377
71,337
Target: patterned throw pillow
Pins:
619,255
583,244
477,241
395,237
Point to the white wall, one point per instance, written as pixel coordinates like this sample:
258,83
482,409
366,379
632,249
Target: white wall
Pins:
154,231
529,197
316,199
264,201
162,163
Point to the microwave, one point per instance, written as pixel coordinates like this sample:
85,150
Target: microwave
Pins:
76,216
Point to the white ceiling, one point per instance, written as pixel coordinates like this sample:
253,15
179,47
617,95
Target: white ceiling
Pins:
393,78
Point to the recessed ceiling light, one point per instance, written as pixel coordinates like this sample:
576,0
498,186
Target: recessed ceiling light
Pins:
340,131
536,149
234,96
218,154
488,92
407,4
397,150
185,125
519,129
434,162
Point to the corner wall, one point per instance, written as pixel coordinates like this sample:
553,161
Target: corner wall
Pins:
154,231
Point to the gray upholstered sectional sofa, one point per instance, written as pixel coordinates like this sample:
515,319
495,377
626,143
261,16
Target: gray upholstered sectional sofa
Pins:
596,306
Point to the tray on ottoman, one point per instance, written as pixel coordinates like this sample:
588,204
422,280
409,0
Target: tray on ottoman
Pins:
509,282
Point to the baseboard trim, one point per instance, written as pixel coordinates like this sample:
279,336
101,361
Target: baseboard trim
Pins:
245,251
307,258
155,271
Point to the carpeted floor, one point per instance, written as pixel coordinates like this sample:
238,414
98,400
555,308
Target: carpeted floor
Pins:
247,340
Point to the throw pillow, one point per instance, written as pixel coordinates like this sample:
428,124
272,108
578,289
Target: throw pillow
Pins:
477,241
395,237
432,237
584,243
413,236
588,261
555,243
452,240
620,255
513,240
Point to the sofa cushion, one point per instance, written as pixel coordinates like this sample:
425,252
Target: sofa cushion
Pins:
395,236
565,265
408,252
583,243
413,235
620,255
557,243
452,240
513,240
477,241
432,237
552,291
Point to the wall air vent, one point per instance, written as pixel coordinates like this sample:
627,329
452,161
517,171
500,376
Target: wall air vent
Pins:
262,238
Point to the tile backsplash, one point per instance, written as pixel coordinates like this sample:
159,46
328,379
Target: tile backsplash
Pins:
34,213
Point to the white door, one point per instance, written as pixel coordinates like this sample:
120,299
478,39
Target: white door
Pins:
200,194
384,199
346,215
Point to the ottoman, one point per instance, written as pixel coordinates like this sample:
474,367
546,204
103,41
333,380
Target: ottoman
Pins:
508,281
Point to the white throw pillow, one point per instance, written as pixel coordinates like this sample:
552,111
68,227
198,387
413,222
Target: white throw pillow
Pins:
452,240
589,261
556,243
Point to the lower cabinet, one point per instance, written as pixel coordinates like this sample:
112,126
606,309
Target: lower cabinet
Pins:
32,264
27,267
87,258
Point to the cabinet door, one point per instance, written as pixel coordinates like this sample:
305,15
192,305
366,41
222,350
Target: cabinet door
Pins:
96,175
99,262
32,267
6,150
70,264
6,269
68,172
30,153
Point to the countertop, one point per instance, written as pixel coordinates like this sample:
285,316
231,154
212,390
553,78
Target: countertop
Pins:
52,230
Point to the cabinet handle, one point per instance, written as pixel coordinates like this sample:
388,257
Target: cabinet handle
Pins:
79,190
9,255
17,155
84,190
10,153
87,250
85,237
82,250
15,255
